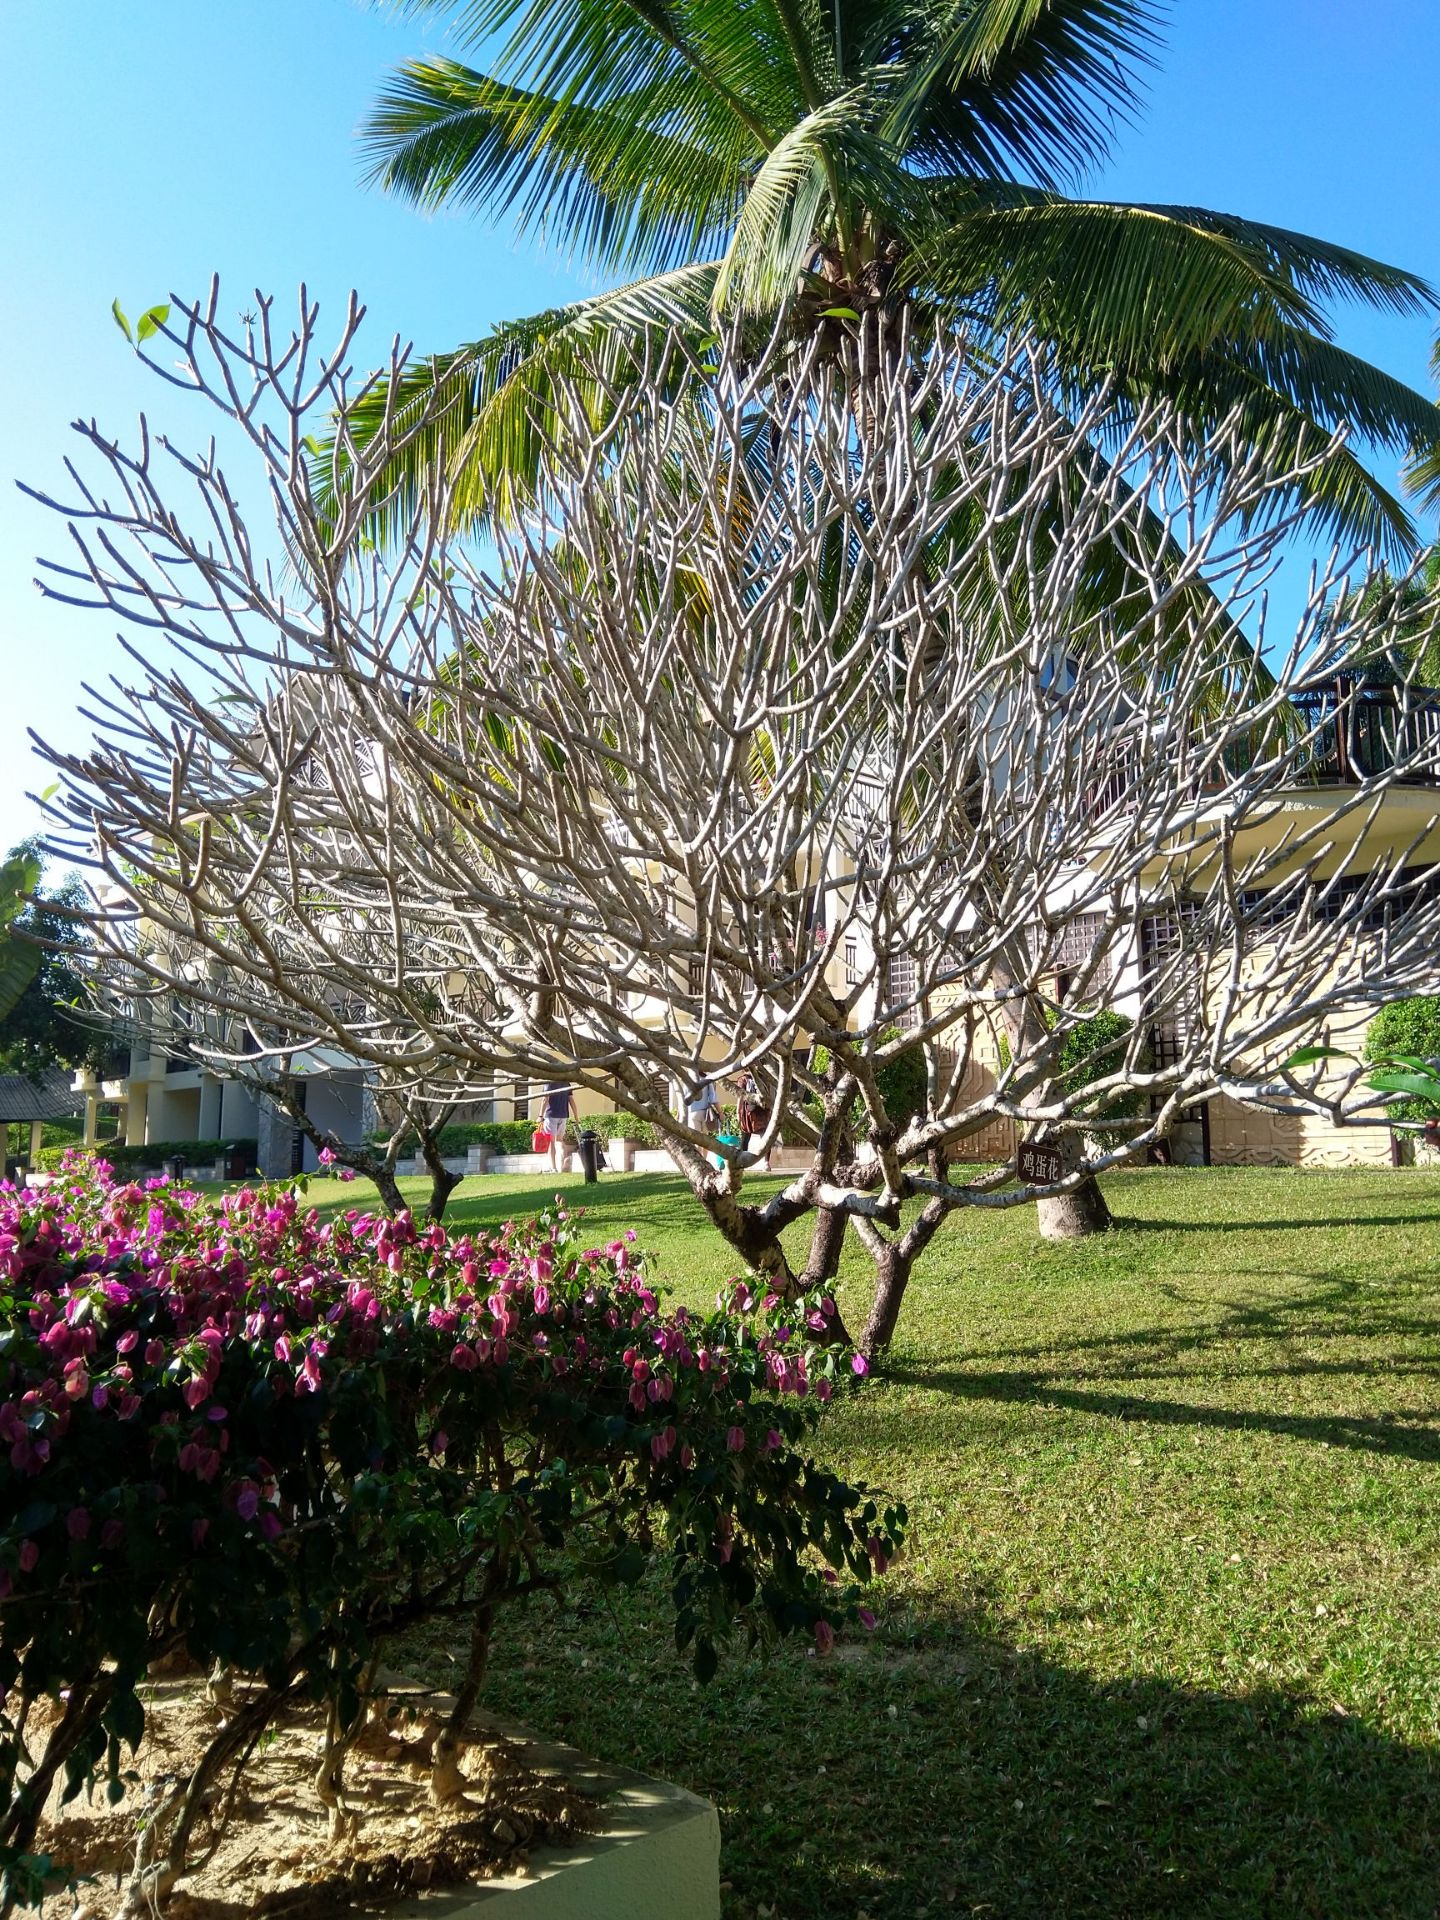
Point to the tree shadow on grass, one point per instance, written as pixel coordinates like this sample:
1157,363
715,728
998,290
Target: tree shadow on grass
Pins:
1397,1432
935,1769
1010,1786
1290,1223
1326,1309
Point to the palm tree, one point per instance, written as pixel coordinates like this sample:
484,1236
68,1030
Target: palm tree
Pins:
738,159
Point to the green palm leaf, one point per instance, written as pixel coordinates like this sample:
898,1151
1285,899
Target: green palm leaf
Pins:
494,406
619,182
842,155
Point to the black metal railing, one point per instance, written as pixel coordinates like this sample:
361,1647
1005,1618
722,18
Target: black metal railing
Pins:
1360,732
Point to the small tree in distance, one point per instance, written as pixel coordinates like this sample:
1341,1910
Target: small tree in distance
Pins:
46,1020
789,735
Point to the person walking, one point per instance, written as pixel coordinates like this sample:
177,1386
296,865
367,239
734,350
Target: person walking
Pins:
702,1109
560,1109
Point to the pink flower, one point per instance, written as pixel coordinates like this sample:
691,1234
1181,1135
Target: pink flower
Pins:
772,1441
662,1443
154,1352
464,1358
859,1364
823,1390
345,1173
247,1501
867,1619
824,1638
735,1439
327,1157
77,1522
29,1554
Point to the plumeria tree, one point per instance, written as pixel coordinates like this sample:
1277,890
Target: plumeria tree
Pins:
786,735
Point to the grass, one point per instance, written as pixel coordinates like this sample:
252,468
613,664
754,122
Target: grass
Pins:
1164,1639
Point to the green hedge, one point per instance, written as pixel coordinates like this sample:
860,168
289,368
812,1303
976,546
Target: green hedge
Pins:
195,1153
505,1136
1407,1026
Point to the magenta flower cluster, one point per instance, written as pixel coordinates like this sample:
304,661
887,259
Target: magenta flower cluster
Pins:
155,1345
276,1439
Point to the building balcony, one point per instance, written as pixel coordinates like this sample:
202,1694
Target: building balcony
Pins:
1363,731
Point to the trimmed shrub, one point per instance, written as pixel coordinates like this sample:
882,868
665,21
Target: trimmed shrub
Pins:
900,1081
152,1156
505,1136
276,1441
1093,1050
1409,1026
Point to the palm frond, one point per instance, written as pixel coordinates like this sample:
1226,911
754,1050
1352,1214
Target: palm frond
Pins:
619,183
987,87
494,406
1422,476
774,237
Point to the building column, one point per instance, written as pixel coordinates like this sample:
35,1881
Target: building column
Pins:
37,1139
211,1090
276,1141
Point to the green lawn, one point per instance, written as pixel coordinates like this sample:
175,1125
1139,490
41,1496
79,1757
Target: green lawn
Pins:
1165,1639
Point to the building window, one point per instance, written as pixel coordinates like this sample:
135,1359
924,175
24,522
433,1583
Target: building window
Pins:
1073,958
852,961
522,1100
902,982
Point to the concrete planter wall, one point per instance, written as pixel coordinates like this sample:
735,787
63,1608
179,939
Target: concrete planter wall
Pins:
654,1856
452,1163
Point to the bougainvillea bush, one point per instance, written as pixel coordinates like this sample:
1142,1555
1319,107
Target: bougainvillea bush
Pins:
274,1441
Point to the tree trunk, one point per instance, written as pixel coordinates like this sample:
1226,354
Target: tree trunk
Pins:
386,1185
442,1181
827,1243
1074,1216
892,1276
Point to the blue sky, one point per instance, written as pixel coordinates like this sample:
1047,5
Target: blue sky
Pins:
146,145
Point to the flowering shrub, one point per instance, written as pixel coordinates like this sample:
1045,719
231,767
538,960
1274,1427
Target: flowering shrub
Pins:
274,1441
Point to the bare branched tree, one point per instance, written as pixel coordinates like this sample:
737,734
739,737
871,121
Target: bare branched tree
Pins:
864,707
242,1025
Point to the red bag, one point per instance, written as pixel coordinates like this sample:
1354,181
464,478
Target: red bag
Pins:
540,1140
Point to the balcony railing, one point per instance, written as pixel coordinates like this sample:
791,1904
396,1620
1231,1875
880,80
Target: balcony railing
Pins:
1360,732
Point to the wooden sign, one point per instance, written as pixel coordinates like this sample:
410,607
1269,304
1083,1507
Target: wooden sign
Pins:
1039,1166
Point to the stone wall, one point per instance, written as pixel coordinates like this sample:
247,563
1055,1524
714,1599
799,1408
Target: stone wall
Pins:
1245,1137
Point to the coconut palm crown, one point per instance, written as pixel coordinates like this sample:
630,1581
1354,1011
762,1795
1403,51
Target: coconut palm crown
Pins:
731,160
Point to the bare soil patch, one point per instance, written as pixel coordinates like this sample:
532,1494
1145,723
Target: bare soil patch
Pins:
265,1845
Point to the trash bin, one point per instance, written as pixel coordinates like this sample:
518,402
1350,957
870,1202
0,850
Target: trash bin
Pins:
590,1155
238,1162
175,1166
